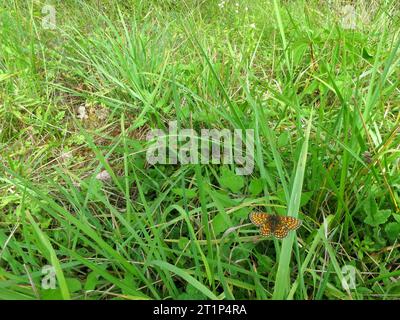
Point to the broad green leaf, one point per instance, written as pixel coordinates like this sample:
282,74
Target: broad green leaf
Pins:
230,180
393,230
189,193
182,242
219,223
378,218
256,187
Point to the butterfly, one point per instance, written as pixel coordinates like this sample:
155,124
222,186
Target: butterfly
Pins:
273,224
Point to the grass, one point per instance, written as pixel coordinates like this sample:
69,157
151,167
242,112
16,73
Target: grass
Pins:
78,101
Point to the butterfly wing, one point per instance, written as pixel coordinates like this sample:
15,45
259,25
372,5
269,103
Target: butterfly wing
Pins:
266,230
280,231
291,223
278,227
258,218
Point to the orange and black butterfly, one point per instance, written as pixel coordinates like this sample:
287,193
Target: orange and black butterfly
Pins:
274,225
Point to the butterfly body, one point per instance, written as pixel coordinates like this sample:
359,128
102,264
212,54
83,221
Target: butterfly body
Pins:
273,220
274,225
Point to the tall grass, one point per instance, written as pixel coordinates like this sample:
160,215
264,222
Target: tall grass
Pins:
322,100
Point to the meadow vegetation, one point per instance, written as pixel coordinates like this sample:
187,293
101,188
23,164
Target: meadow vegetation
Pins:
76,191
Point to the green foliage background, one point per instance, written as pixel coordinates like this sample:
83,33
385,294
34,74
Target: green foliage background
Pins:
79,100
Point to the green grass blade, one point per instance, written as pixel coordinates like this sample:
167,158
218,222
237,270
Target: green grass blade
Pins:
282,281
